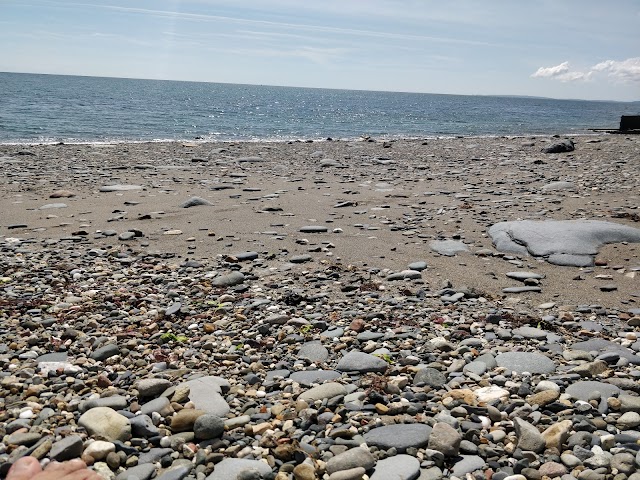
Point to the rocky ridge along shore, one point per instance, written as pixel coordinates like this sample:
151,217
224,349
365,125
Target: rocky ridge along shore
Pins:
299,348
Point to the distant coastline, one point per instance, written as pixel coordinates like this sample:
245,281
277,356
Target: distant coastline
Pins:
514,95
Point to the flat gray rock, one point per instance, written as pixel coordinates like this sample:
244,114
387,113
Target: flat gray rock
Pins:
124,236
231,468
564,242
401,436
142,426
175,473
530,332
301,258
329,162
558,186
477,368
120,188
601,345
53,357
160,404
584,390
206,394
115,402
67,448
525,362
467,464
53,205
274,375
153,455
399,467
352,458
333,332
314,351
173,309
326,390
314,229
139,472
568,260
404,275
229,280
522,276
194,202
107,351
521,289
429,376
361,362
418,266
152,387
307,378
367,336
246,256
448,248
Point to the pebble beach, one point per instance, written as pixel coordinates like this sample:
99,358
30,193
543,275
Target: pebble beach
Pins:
451,308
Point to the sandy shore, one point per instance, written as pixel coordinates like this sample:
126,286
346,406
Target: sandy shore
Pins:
300,323
383,203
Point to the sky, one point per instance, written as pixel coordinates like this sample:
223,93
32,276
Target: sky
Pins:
587,49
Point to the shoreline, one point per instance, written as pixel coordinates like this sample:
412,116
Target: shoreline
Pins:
378,138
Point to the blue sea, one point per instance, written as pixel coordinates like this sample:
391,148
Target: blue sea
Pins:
58,108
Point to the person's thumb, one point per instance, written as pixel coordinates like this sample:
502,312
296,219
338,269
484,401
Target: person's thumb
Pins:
24,469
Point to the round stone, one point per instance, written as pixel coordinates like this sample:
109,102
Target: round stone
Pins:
103,422
208,426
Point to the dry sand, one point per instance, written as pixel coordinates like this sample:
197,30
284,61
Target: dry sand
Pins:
404,194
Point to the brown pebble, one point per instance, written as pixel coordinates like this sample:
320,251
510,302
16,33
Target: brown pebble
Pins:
113,460
183,420
304,471
543,398
42,449
103,381
357,325
614,403
284,452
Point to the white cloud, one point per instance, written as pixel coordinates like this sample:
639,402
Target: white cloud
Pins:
624,71
550,72
561,72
